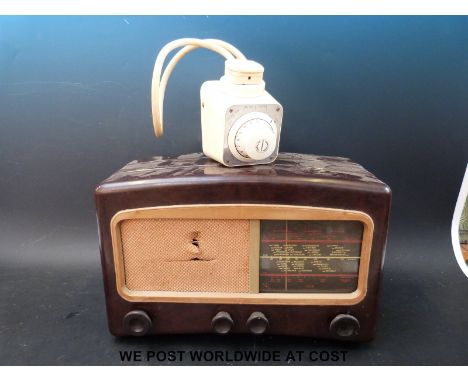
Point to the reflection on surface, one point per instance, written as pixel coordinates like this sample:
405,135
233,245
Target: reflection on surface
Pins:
463,231
460,226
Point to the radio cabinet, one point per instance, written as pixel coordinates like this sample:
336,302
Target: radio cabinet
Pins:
295,247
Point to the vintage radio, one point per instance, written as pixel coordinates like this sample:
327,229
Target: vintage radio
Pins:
295,247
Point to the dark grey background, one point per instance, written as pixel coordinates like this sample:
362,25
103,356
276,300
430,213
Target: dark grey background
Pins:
389,92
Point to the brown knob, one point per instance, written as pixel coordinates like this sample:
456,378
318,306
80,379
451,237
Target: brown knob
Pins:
345,326
222,323
257,323
137,323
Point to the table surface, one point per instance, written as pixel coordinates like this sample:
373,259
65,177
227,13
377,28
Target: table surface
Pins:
53,313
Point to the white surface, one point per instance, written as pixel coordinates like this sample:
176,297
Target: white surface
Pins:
243,72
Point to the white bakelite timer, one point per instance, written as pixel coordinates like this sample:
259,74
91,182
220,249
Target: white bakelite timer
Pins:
241,121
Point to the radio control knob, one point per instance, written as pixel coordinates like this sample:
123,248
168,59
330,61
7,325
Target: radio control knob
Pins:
137,323
222,323
257,323
345,326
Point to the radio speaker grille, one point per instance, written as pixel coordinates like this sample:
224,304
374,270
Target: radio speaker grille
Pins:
187,255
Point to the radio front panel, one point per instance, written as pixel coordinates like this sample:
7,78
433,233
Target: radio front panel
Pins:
253,254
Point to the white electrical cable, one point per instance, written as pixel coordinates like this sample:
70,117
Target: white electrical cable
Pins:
181,53
159,84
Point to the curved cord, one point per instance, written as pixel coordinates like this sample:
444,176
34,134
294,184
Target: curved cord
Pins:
159,84
155,92
181,53
177,57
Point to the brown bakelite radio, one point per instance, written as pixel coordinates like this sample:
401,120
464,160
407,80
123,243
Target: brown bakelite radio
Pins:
295,247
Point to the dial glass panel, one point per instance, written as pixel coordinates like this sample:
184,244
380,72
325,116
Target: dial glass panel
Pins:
309,256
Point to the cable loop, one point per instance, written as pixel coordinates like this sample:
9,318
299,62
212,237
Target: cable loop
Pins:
159,84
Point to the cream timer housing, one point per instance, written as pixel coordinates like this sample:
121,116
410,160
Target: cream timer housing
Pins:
241,122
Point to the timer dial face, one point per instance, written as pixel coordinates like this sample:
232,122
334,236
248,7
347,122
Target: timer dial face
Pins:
253,137
309,256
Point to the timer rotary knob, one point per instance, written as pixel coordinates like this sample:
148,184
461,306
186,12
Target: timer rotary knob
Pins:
254,137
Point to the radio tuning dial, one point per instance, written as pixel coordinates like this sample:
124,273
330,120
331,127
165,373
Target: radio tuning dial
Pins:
255,137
